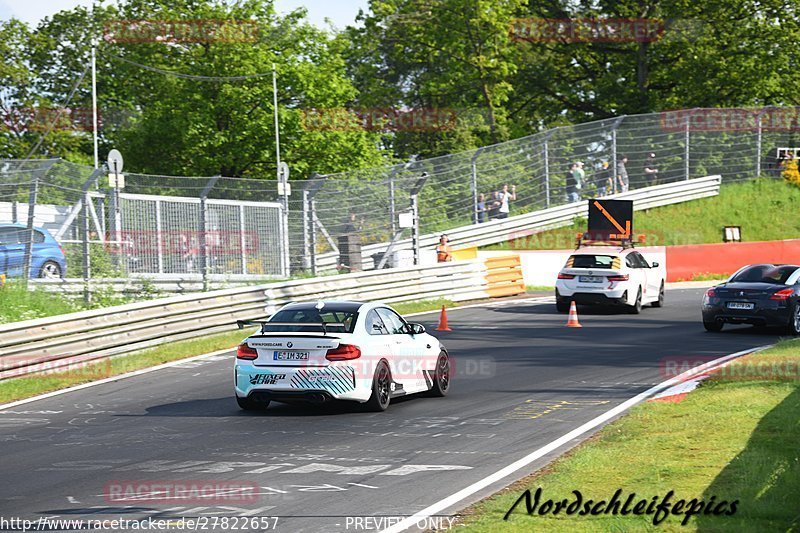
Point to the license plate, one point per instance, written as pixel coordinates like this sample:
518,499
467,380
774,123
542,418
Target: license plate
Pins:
290,356
740,305
590,279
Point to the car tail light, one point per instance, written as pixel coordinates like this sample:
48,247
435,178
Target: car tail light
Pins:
246,352
343,353
711,293
62,250
783,294
566,276
619,277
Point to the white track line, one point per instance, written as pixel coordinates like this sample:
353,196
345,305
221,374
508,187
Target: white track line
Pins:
111,379
452,500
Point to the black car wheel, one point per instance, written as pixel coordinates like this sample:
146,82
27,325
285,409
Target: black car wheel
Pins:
562,305
714,325
637,305
794,321
660,301
50,269
441,380
381,389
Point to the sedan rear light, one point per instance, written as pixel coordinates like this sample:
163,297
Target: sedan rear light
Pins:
620,277
783,294
246,352
566,276
343,352
711,293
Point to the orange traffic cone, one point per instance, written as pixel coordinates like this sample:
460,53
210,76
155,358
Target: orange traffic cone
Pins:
573,316
443,321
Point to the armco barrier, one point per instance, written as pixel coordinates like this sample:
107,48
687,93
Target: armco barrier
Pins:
496,231
684,262
504,276
55,342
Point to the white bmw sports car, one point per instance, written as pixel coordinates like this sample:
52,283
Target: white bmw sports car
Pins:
338,350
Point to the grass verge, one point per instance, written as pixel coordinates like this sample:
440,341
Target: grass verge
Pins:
25,387
733,439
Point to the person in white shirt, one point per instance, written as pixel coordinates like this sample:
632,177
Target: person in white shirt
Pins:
505,198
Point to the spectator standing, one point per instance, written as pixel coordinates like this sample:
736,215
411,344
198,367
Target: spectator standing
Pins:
651,169
604,181
622,175
580,177
572,189
506,198
443,251
493,205
480,208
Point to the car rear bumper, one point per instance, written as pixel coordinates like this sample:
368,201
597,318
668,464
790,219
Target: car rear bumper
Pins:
614,297
779,316
314,384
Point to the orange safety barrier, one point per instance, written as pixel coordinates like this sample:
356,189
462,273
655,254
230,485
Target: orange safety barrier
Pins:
504,276
684,262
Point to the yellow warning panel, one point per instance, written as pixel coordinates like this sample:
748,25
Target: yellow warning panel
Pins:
465,253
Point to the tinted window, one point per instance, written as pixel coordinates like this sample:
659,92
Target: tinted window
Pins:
632,262
312,316
642,261
38,237
374,324
592,261
10,236
393,322
765,274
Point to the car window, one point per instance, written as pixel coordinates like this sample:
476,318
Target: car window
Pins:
632,262
393,322
642,261
38,237
10,236
307,316
374,320
765,274
590,261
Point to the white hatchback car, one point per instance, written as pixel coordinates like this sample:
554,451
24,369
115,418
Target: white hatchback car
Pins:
338,350
610,275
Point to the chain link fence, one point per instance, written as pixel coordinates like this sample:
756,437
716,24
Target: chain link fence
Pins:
219,226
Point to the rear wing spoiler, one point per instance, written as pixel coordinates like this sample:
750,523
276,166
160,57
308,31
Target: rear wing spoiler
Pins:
262,323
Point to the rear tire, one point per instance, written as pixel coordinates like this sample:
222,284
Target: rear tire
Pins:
50,270
251,405
794,321
381,389
660,301
713,326
562,305
637,304
441,378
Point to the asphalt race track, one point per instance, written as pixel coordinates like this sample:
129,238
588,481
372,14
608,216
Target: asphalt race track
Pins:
522,380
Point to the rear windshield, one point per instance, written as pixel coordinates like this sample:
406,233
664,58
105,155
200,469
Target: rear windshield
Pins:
765,274
592,261
314,316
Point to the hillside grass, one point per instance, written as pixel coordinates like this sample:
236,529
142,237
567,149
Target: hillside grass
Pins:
763,208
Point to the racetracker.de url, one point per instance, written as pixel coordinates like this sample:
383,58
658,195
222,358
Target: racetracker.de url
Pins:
202,523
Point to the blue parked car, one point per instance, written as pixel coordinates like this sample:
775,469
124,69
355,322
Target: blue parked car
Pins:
47,258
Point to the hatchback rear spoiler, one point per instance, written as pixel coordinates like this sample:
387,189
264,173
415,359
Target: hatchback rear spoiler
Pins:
323,325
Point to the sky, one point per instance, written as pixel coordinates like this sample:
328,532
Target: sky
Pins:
340,12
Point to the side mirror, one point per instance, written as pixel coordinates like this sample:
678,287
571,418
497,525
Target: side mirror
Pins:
654,265
416,329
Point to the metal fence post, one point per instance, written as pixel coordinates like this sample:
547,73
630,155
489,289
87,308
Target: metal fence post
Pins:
758,145
159,239
204,266
306,232
392,208
242,239
312,217
415,213
14,215
32,198
310,189
545,154
87,269
686,147
474,184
